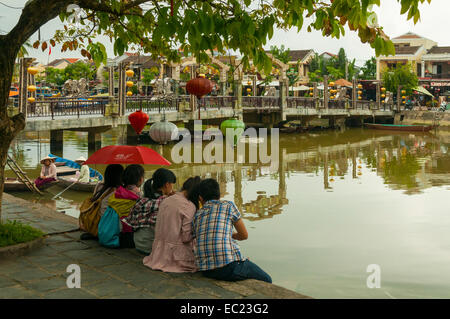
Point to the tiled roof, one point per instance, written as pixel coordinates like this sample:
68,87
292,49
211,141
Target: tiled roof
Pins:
330,54
72,60
406,50
439,50
146,61
55,62
408,35
298,55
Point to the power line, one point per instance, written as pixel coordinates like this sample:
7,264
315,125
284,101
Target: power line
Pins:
11,7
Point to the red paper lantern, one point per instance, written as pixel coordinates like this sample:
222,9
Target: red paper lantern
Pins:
138,120
199,87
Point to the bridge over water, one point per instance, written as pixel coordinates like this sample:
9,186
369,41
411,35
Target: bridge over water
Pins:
97,115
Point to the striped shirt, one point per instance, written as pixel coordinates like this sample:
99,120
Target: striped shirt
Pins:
212,229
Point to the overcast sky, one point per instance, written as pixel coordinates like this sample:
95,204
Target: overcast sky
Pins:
434,24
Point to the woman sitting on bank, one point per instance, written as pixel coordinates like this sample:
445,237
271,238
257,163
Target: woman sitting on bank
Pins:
143,215
112,232
48,172
173,247
112,180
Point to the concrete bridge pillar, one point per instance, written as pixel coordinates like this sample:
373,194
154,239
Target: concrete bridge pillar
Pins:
56,142
94,142
132,137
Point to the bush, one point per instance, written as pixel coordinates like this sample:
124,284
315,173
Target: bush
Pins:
14,232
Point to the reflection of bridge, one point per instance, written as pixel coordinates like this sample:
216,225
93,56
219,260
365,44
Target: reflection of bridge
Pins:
333,161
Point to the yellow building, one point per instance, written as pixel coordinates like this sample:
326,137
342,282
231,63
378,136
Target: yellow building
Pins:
409,48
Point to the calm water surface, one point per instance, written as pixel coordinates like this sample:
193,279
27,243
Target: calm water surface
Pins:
339,202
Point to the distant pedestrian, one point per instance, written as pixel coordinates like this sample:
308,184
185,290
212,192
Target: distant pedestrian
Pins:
217,254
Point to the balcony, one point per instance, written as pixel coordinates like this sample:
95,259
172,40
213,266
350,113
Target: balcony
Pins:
437,76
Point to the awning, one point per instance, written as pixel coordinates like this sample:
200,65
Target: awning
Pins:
422,90
299,88
343,82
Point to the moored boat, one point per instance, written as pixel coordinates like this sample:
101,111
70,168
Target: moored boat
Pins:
66,181
404,128
15,185
68,177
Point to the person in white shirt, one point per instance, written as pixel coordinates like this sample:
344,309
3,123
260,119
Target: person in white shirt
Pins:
84,170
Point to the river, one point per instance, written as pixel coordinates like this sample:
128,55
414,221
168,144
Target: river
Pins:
339,202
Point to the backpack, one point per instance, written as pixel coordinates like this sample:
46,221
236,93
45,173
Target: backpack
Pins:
89,213
109,229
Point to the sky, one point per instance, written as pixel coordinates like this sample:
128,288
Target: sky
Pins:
434,24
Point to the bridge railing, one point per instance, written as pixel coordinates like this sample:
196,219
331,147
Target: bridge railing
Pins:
56,107
151,104
266,102
302,102
218,102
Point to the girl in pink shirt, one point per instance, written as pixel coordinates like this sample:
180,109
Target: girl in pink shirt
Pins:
172,249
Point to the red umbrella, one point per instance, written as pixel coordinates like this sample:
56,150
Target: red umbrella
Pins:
124,154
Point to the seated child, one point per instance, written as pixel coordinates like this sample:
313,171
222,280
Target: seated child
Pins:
142,217
217,254
173,246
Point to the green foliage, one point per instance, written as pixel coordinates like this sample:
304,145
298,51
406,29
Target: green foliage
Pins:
401,75
13,232
282,54
402,171
55,76
80,69
315,76
73,71
369,70
148,75
198,26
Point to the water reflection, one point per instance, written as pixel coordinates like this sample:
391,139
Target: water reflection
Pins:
338,202
408,162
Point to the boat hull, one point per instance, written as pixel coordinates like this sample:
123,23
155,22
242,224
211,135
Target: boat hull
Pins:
14,185
66,181
403,128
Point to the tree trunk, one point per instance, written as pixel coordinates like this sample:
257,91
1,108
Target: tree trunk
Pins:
9,127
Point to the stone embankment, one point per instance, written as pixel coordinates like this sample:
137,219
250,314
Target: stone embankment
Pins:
40,271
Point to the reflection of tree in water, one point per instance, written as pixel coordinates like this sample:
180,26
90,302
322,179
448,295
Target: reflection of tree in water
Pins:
402,170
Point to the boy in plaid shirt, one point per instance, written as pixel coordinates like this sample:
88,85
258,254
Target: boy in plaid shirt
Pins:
217,253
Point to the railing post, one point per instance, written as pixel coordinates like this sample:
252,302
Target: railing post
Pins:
325,91
378,95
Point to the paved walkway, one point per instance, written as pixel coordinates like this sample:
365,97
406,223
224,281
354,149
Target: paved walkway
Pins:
105,273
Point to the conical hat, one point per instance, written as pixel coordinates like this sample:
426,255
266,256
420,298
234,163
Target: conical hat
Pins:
52,159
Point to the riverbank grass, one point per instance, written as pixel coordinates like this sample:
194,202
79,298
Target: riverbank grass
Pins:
14,232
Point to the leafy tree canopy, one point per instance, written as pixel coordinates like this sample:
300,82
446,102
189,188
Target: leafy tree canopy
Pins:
282,54
369,70
401,75
162,27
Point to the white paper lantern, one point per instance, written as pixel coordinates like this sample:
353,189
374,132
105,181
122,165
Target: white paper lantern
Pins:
163,132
